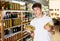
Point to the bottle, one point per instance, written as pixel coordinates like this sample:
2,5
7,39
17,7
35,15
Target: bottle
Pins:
14,15
13,22
13,30
6,23
6,32
10,23
5,39
19,28
12,37
19,35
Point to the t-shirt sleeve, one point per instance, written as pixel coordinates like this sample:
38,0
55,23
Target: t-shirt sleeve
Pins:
51,21
31,23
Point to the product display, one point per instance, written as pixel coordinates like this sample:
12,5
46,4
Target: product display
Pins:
10,15
14,16
16,29
15,6
10,23
4,5
6,32
27,38
14,38
16,21
27,14
29,28
7,23
26,17
29,6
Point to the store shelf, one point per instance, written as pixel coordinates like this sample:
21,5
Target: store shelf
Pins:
23,37
25,21
12,34
9,27
16,11
12,27
10,18
10,30
25,33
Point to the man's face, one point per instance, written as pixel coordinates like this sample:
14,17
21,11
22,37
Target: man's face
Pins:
37,11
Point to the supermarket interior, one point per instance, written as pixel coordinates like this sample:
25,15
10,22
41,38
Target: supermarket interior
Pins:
16,14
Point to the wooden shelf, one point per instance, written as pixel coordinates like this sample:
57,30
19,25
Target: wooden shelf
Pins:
23,37
16,11
24,33
12,27
12,34
11,18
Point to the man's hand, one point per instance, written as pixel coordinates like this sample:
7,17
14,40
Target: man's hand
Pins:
50,29
47,28
32,34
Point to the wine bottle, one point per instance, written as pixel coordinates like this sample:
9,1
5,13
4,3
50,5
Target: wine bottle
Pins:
6,32
10,23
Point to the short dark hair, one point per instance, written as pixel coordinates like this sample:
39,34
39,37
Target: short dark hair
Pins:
36,5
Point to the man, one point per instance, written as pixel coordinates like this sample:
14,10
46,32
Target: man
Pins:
42,24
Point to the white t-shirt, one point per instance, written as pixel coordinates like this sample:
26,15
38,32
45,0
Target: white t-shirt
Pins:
41,34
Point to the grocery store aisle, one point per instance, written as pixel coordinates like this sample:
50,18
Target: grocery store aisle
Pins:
56,37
